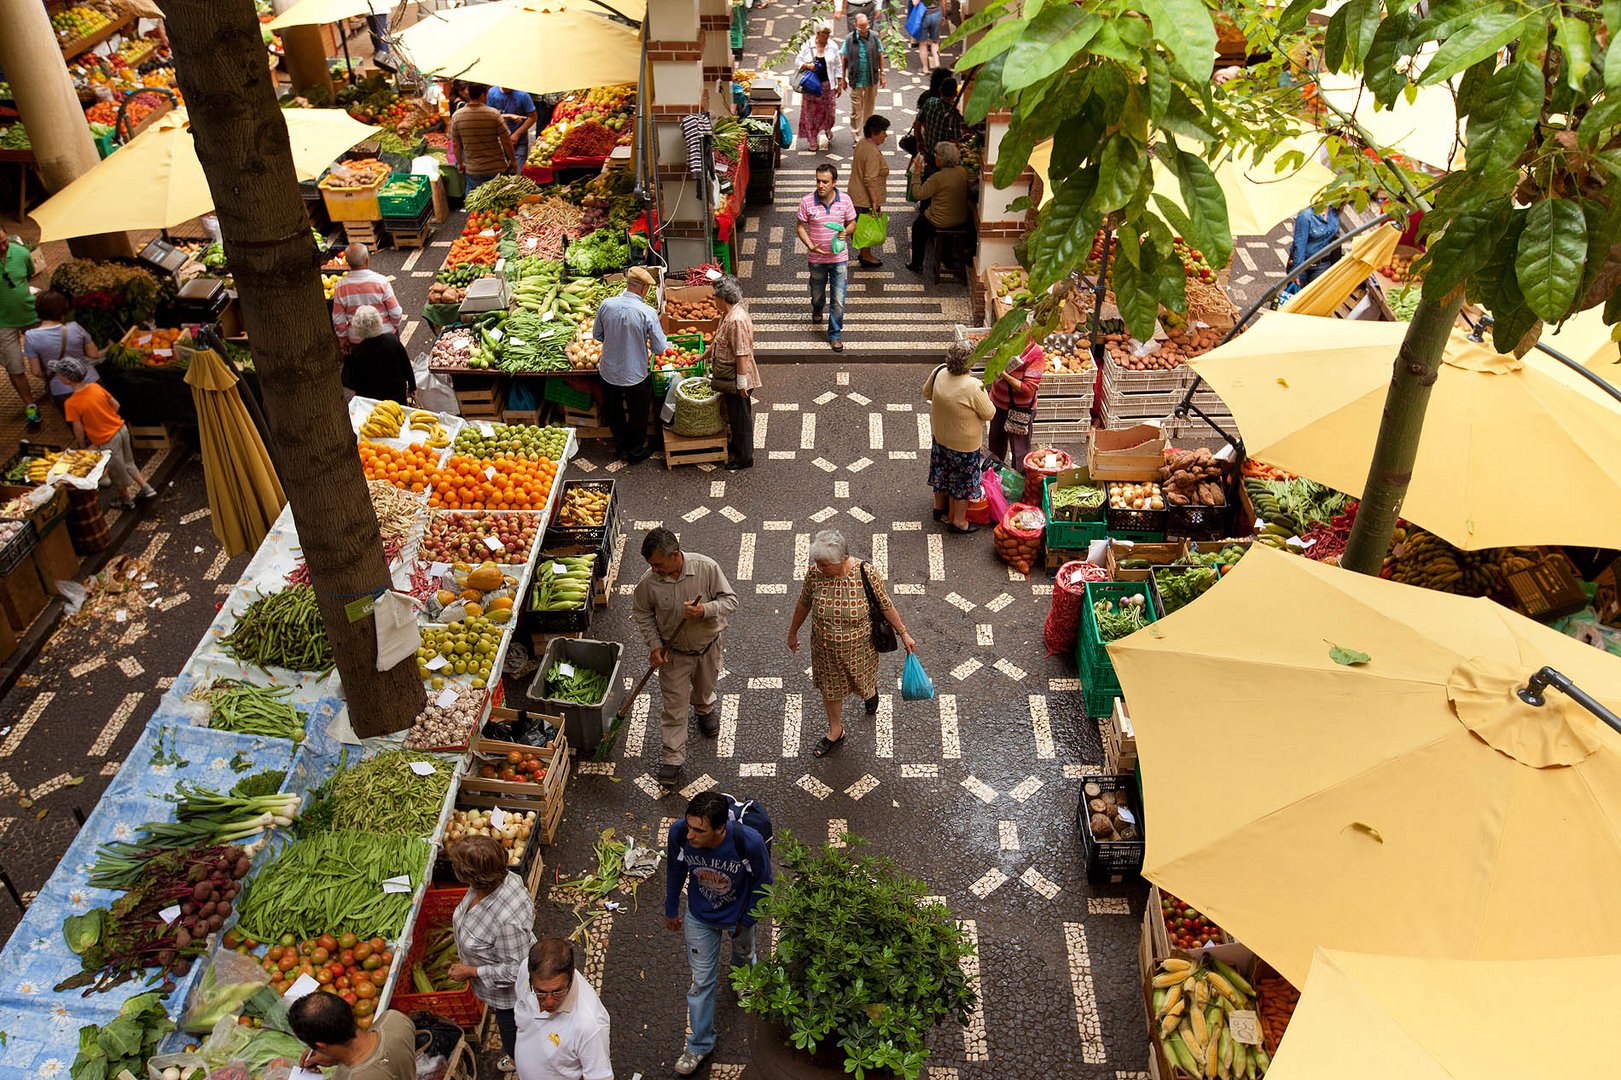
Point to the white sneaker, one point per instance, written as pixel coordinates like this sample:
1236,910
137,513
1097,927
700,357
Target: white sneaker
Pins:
822,141
688,1063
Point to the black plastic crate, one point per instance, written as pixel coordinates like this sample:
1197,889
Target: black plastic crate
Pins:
17,549
573,621
1148,521
27,449
591,536
408,224
1199,522
1110,861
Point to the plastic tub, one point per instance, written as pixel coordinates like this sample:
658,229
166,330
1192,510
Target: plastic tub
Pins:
582,724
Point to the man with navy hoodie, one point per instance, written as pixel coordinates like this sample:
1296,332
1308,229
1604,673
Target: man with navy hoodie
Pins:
725,866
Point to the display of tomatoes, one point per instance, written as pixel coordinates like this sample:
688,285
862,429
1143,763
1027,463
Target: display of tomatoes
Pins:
1186,928
354,969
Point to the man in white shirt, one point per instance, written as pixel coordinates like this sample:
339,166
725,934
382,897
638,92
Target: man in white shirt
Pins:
562,1025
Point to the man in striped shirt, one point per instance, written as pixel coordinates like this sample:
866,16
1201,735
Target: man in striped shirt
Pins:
483,147
361,287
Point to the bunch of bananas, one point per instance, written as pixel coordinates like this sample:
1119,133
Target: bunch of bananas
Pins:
429,425
1424,559
63,463
384,421
1194,1006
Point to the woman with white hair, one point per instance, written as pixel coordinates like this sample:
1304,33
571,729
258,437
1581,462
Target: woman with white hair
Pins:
841,596
816,111
947,198
378,366
733,372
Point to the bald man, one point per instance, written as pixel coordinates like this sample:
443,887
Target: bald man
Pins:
362,287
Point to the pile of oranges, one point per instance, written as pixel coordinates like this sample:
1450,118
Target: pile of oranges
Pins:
466,483
411,469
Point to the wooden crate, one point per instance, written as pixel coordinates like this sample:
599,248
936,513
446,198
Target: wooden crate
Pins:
362,232
545,798
1119,741
1160,554
22,594
156,437
605,584
539,638
690,450
484,402
530,417
412,238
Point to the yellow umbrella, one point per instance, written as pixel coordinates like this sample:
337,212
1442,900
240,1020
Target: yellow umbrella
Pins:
1258,195
1514,452
1417,1018
156,182
1586,339
1411,804
244,495
540,47
1324,294
1426,130
314,12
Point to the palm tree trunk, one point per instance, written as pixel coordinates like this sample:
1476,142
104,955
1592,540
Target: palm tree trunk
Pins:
242,143
1417,364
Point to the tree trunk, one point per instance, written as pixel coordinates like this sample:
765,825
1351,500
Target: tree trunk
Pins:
1417,364
243,146
63,148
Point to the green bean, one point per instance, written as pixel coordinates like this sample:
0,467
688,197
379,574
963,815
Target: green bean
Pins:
283,630
333,883
253,710
383,795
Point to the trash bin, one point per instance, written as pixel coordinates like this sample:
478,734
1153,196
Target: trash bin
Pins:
582,724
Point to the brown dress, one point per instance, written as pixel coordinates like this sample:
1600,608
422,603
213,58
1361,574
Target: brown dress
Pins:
843,660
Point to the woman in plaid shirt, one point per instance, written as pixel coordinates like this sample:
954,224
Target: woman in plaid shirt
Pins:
494,928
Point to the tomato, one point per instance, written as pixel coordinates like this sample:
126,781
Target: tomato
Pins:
362,951
249,943
347,956
487,772
377,944
274,952
509,774
287,962
379,977
270,967
514,757
341,982
363,1022
324,977
372,962
288,940
327,942
306,947
365,991
387,957
348,995
320,955
336,969
243,1021
347,940
232,939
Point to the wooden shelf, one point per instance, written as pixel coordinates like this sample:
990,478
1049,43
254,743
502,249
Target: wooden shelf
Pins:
74,49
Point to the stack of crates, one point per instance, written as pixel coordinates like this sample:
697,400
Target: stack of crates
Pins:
405,215
1099,683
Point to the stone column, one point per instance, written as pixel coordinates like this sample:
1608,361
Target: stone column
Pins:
686,52
50,111
999,227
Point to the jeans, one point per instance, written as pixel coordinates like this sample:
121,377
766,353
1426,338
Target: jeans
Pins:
740,418
627,410
826,278
475,179
930,30
507,1024
703,956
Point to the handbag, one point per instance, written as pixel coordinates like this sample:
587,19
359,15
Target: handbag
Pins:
914,19
870,230
1017,421
883,634
808,83
785,131
908,144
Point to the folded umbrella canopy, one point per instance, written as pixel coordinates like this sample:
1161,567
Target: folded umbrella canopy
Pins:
156,182
1324,294
1408,804
1417,1018
1585,338
244,494
1514,452
541,47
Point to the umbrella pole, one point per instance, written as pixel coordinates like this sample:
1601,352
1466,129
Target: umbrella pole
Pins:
1532,694
343,39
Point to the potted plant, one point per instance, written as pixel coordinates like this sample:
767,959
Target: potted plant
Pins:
862,963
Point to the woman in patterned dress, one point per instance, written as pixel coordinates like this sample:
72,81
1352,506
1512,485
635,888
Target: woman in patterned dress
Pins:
816,111
843,660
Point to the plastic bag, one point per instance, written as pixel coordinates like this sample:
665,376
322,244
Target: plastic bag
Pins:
785,132
223,991
871,230
1012,483
915,682
995,498
914,19
191,1066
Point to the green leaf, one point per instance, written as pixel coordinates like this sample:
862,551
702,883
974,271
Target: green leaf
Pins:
1047,45
997,40
1207,207
1012,156
1548,263
1064,98
1183,117
1612,66
82,932
1463,248
1121,168
1601,118
1136,292
1157,86
1295,15
1076,139
986,93
1481,37
1348,657
977,22
1360,26
1185,28
1498,131
1472,86
1576,41
1390,43
121,1038
1062,237
1335,37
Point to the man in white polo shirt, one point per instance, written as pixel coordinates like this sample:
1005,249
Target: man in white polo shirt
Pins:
562,1025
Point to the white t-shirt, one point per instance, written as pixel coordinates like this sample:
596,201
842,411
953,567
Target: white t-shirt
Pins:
568,1044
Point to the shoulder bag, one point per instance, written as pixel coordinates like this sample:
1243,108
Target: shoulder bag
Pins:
883,634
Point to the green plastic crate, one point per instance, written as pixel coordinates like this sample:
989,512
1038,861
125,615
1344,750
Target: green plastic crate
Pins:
570,397
662,379
1091,652
1069,535
1137,536
405,206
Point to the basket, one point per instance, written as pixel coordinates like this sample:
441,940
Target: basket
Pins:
17,548
696,416
353,204
1122,520
410,205
570,397
1199,522
1110,861
1069,535
1094,653
461,1006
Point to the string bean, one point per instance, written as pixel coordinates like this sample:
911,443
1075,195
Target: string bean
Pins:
282,630
238,706
383,795
581,686
333,883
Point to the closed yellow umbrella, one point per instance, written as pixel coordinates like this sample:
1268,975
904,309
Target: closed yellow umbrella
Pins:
1331,288
244,495
1410,804
156,182
315,12
541,46
1416,1018
1514,452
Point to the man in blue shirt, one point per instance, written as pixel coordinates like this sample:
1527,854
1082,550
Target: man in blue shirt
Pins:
725,866
518,110
629,330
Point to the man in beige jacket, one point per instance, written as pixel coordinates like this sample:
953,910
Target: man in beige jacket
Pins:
680,607
869,177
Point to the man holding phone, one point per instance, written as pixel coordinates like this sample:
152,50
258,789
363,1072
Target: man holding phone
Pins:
681,606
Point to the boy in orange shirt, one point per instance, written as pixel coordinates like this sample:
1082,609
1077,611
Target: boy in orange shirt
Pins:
93,412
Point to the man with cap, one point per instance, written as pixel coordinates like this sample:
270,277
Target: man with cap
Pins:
628,327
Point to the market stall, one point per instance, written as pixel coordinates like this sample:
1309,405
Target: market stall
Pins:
256,721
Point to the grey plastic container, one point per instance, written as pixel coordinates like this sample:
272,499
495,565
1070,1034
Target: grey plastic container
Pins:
583,724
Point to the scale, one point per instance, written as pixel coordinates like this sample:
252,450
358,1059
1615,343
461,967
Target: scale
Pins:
164,255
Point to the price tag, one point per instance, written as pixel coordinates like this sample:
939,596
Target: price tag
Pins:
498,818
162,352
531,242
401,884
436,663
437,569
1296,542
712,275
565,670
494,543
516,340
170,913
303,986
1260,525
447,697
422,768
1052,461
487,232
500,265
1245,1026
1127,816
489,472
547,316
359,609
558,569
120,615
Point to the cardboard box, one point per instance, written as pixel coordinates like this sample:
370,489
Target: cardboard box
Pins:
22,594
686,294
1128,454
1120,741
1607,601
54,556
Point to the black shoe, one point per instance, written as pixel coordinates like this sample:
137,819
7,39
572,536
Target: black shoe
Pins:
914,269
639,456
816,314
965,530
709,723
738,466
940,515
874,264
669,775
826,746
872,705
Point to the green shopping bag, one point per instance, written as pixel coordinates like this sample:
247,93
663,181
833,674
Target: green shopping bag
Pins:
870,230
